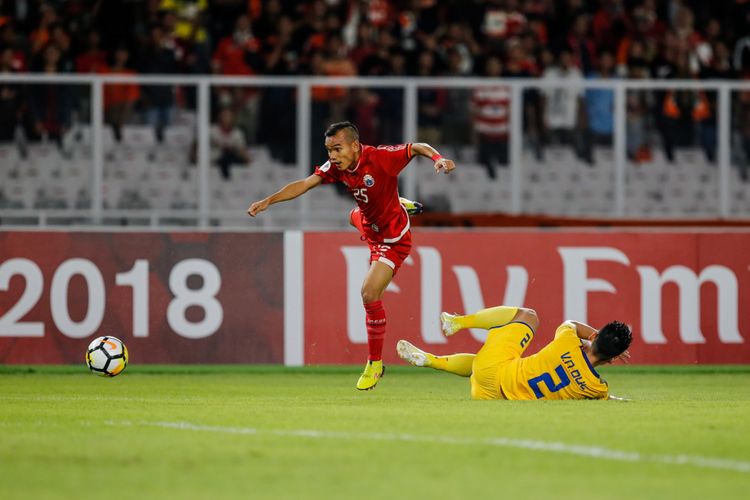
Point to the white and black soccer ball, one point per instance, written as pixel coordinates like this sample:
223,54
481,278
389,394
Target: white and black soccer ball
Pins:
107,356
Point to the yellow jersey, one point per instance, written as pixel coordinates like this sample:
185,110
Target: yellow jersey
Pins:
559,371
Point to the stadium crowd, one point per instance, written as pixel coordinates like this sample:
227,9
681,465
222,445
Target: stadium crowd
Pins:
454,38
375,37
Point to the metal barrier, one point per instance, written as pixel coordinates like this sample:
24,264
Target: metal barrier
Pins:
515,185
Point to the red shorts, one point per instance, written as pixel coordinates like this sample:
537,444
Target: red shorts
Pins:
390,254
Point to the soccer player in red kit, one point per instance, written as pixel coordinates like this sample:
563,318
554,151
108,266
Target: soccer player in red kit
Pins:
370,174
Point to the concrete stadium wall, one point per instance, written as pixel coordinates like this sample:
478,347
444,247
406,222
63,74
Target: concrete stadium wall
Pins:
294,297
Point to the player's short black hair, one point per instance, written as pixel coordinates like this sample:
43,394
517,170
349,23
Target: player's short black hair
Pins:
613,339
334,129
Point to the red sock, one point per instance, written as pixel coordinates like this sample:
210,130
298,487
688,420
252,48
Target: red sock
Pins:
375,319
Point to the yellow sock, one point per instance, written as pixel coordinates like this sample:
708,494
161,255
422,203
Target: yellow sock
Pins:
459,364
487,318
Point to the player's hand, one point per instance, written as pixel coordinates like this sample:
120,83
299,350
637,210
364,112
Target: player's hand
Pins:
615,398
624,357
258,207
444,164
586,346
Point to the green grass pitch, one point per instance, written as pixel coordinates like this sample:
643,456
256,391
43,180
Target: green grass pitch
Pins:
273,432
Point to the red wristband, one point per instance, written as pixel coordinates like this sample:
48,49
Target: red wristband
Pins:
437,156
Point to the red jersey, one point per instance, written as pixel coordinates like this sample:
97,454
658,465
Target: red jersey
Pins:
373,183
491,111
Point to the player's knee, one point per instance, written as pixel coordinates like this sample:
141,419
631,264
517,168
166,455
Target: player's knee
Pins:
475,393
352,214
480,394
528,316
370,295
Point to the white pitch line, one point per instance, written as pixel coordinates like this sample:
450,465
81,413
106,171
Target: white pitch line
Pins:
503,442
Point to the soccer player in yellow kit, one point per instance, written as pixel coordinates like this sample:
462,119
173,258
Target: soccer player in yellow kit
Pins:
563,369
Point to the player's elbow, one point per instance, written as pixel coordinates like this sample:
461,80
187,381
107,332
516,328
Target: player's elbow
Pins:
420,148
528,316
295,189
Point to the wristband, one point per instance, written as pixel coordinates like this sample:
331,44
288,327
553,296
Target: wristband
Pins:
437,156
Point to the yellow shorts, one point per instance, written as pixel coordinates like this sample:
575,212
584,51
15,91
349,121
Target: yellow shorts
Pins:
504,344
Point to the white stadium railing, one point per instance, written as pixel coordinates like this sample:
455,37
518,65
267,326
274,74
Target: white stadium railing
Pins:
202,216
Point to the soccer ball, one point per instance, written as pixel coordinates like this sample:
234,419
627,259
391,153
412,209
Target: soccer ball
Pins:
107,356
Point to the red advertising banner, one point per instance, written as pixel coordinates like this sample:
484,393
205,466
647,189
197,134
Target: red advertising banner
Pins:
171,297
685,294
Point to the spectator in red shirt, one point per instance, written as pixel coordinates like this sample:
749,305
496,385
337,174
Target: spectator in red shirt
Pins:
491,109
365,47
9,40
120,98
42,35
94,59
502,20
609,24
238,53
50,104
683,28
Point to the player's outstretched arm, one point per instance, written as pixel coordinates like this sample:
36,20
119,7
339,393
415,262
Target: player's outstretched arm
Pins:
441,164
288,192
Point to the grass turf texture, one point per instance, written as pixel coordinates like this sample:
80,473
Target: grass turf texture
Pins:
235,432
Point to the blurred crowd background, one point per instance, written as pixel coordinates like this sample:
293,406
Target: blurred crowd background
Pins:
645,38
560,39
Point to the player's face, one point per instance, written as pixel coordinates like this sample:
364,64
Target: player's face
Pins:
343,152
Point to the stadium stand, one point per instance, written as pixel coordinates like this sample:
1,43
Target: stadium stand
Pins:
149,137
